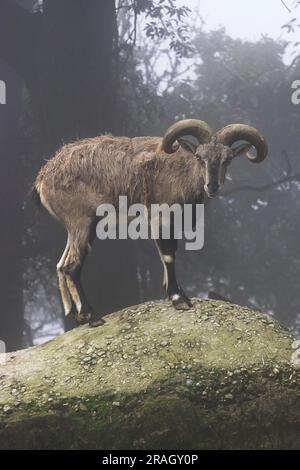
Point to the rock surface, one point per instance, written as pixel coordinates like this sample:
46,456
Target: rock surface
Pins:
218,376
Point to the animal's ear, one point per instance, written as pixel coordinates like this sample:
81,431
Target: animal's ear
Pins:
186,144
241,149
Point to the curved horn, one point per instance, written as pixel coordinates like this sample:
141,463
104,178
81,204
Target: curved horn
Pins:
234,132
194,127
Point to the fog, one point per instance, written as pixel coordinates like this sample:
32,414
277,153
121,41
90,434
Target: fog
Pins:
246,20
116,77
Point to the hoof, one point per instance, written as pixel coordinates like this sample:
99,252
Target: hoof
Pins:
82,318
94,322
181,301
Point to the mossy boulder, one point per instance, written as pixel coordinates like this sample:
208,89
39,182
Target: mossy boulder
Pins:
218,376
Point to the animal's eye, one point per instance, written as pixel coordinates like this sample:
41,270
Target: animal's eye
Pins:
200,159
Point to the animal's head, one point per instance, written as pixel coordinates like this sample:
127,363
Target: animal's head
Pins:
214,152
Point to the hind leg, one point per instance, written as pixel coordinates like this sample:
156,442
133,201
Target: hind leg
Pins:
62,283
79,238
68,272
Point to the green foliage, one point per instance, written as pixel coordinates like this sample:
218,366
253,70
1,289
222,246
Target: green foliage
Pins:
162,20
292,26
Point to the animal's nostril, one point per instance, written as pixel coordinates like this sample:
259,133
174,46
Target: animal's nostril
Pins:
213,187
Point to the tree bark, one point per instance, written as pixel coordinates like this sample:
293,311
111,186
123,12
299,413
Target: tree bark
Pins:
77,73
219,376
12,222
19,31
66,56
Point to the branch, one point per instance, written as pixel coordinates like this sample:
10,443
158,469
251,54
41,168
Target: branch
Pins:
289,177
285,5
265,187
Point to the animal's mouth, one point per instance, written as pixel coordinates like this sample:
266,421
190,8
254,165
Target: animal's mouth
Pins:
212,190
211,195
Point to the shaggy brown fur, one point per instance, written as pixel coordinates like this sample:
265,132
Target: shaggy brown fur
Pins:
86,173
105,167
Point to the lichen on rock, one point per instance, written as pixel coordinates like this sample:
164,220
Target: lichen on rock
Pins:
216,376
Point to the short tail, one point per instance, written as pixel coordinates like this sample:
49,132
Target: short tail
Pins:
35,196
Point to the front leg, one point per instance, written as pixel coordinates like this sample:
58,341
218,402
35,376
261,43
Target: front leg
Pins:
167,251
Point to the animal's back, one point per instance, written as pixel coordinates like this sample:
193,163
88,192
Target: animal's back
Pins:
87,158
96,166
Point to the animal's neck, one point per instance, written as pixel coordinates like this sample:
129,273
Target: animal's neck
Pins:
195,185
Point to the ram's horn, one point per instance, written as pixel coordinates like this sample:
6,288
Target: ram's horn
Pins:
193,127
235,132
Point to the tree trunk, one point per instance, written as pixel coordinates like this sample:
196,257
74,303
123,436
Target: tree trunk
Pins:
67,57
76,66
11,226
216,377
80,102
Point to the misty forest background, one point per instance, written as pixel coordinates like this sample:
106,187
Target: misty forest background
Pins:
132,67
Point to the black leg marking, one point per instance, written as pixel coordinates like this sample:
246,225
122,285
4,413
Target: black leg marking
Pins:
167,250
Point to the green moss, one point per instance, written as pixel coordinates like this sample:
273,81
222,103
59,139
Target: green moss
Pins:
217,376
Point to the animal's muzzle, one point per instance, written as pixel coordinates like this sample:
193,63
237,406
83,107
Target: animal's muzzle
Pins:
212,189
